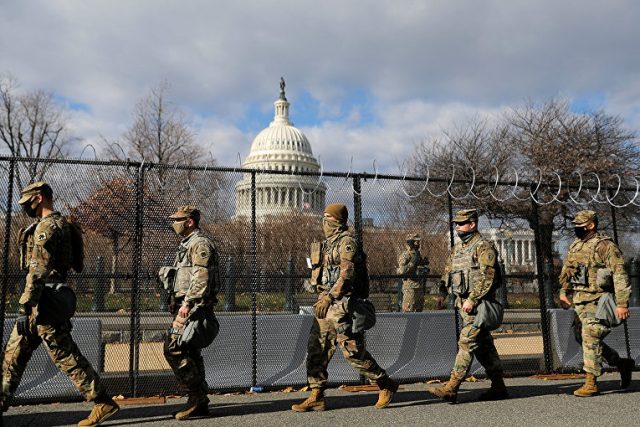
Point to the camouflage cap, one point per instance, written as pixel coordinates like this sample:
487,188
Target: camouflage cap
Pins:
466,215
413,237
584,217
338,211
33,189
186,211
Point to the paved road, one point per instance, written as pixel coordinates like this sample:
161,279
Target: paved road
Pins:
533,403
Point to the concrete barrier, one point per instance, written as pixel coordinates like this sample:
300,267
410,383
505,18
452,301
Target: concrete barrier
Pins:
567,353
42,379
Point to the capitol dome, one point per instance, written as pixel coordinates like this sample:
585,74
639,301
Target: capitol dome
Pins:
281,147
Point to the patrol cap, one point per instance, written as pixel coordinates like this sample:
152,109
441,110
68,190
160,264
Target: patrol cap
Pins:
466,215
338,211
413,237
34,189
584,217
186,211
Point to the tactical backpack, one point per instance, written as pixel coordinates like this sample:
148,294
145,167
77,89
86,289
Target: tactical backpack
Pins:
360,274
77,245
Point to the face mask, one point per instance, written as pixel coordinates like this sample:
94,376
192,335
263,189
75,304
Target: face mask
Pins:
581,232
29,209
179,227
465,236
330,227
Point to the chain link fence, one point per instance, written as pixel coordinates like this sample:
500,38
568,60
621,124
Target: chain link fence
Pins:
263,223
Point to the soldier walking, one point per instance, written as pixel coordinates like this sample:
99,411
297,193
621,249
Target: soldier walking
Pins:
335,265
472,275
48,252
593,267
195,283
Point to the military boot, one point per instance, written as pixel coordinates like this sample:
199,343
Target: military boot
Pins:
497,391
197,406
104,408
315,402
387,387
449,391
625,366
589,388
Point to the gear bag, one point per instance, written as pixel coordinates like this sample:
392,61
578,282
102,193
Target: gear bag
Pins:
201,329
57,304
606,311
489,314
363,314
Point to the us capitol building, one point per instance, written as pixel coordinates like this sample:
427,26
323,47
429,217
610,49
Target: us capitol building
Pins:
281,147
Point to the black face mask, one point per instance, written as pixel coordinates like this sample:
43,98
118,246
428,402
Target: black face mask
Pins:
465,236
29,209
581,232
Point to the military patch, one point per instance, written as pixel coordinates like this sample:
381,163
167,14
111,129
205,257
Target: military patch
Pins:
42,236
349,248
487,257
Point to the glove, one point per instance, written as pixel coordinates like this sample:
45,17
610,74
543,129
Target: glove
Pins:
321,307
22,321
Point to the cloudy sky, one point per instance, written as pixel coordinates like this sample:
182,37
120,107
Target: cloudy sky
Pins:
366,79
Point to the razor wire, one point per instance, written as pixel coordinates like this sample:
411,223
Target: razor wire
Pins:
545,189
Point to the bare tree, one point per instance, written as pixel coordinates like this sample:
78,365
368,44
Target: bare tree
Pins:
538,142
160,132
32,125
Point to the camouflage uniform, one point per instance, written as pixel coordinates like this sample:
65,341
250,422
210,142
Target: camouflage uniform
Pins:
412,290
473,265
472,274
196,284
337,273
592,267
48,257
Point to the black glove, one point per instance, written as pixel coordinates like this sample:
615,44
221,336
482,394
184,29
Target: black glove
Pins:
22,321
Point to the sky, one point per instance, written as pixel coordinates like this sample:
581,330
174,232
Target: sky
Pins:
367,80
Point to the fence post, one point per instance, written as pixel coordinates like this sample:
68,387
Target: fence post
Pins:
502,292
544,318
229,287
548,283
635,282
5,258
615,239
101,286
357,210
289,304
136,259
400,295
254,284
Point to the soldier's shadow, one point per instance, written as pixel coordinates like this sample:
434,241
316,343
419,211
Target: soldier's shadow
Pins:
158,413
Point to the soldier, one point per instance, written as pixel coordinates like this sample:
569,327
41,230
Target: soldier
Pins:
408,263
195,285
48,254
335,268
594,266
472,274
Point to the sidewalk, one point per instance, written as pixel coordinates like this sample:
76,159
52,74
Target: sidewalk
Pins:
533,403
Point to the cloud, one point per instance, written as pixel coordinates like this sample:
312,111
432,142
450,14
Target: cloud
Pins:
420,64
